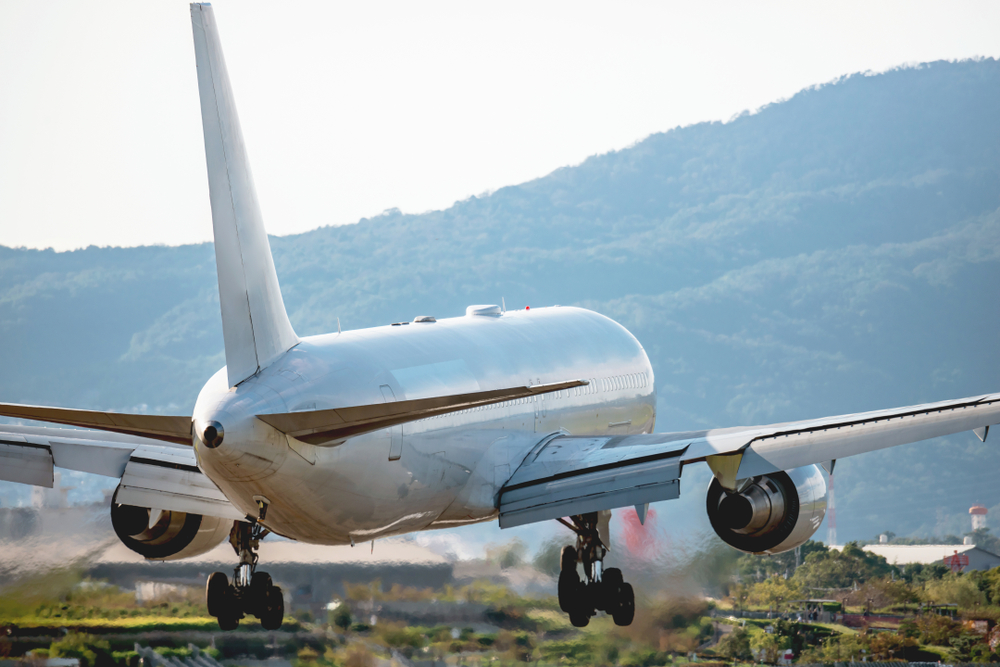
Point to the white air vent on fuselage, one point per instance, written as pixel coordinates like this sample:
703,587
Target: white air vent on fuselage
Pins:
482,311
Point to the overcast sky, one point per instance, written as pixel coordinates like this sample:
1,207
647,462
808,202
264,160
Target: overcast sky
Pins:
352,108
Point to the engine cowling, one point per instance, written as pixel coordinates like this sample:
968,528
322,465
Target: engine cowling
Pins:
172,535
771,513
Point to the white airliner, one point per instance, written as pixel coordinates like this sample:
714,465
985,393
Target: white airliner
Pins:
533,415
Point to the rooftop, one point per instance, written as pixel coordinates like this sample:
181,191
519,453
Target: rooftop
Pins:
900,554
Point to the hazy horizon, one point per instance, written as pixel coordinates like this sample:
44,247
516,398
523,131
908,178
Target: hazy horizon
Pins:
361,109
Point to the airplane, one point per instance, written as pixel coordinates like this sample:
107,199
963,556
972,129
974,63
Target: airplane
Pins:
541,414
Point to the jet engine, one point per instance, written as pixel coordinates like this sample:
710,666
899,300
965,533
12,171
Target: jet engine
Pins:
771,513
166,535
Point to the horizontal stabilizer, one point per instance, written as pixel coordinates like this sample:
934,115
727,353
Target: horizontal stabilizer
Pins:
319,427
158,427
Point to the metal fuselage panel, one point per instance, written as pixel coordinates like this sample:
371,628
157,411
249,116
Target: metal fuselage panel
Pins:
449,468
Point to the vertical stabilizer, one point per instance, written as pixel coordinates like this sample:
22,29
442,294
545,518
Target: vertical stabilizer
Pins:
254,322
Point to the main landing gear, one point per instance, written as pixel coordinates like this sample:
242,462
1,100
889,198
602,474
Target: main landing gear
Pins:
603,590
251,592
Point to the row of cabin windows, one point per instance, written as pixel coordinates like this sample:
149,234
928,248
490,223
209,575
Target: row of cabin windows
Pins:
627,381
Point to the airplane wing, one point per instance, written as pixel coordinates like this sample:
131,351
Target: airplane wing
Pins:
577,474
153,474
159,427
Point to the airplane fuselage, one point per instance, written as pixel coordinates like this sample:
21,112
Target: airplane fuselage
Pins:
434,472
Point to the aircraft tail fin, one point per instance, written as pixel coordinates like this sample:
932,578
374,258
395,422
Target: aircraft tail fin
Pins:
254,322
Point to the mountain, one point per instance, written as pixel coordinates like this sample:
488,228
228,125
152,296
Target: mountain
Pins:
831,253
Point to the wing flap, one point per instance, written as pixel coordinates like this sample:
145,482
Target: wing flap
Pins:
153,474
324,427
575,474
25,463
170,480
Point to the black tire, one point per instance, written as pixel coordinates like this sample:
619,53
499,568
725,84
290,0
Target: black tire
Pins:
567,559
274,611
579,618
611,584
228,622
569,580
216,593
256,600
625,611
570,588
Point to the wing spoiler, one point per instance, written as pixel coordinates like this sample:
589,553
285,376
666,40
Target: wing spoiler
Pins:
329,427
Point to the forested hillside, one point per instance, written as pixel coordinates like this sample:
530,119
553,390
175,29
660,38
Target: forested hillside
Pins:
832,253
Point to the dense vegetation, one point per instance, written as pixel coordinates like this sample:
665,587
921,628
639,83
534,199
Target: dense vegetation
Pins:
917,612
830,253
892,613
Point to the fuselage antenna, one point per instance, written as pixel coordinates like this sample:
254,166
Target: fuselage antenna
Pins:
504,304
338,325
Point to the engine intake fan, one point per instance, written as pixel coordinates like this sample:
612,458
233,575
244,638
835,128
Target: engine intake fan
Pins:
166,535
770,513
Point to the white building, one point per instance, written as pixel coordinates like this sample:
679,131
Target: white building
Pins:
969,556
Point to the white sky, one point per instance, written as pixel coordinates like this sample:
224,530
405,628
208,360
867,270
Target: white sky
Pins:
352,108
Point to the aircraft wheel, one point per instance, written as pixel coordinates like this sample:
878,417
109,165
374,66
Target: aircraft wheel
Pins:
256,598
274,609
569,581
579,617
611,585
625,609
216,593
228,622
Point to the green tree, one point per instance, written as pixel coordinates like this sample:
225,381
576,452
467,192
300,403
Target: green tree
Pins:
768,646
774,591
989,583
888,645
752,567
841,569
937,630
920,574
89,650
970,647
341,616
954,588
842,648
735,645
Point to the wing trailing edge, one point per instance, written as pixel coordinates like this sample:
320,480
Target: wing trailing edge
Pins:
158,427
330,427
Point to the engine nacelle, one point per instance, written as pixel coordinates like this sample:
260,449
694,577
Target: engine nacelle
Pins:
172,535
771,513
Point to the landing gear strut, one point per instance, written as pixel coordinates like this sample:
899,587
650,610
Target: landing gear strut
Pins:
251,592
603,590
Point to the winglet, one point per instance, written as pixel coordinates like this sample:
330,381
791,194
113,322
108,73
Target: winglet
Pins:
254,322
